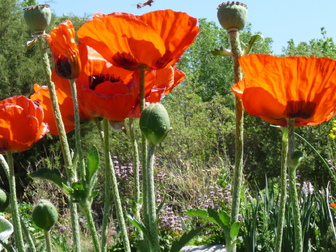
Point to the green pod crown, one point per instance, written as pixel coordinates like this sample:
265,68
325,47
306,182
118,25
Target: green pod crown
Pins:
45,214
37,17
155,123
232,15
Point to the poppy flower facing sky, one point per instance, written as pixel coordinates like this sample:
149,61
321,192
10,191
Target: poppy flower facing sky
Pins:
21,124
278,88
156,39
65,52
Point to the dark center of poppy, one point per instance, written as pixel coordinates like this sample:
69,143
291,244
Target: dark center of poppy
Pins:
300,109
63,68
95,80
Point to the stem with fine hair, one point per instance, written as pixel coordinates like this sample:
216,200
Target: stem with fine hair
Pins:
14,204
47,239
144,150
107,196
70,169
86,207
137,190
238,169
283,187
114,186
77,128
292,188
152,218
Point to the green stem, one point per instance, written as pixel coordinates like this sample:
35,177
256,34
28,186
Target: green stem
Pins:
107,196
283,187
114,187
47,240
144,150
86,206
70,170
28,236
14,204
152,218
136,166
238,169
292,187
77,128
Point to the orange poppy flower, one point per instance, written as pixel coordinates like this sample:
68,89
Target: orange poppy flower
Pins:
64,50
164,81
65,102
156,39
21,124
105,90
278,88
332,204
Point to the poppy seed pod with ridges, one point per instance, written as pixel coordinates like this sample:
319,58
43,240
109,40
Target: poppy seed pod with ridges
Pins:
45,214
155,123
4,200
232,15
37,17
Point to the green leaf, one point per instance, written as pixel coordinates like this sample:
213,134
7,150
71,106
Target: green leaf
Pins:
218,220
222,52
225,218
92,165
185,239
139,225
234,229
52,175
201,214
250,44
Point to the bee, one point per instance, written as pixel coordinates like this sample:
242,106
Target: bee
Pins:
147,3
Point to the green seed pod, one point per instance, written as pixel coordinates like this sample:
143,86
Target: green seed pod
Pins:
232,15
155,123
45,214
4,200
37,17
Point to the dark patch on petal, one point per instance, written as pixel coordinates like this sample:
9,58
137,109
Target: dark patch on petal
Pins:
300,109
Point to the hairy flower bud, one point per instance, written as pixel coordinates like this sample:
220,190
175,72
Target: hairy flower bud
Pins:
155,123
232,15
45,215
37,17
4,200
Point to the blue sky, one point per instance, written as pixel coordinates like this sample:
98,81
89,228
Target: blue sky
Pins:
282,20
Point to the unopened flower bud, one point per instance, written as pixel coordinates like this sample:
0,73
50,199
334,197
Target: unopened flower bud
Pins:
155,123
37,17
232,15
4,200
45,215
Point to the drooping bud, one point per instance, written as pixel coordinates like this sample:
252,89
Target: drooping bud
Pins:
155,123
37,17
296,158
4,200
45,214
232,15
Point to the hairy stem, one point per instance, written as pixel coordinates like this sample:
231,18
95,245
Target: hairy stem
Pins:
114,186
14,204
70,170
292,188
152,218
86,207
47,239
135,151
238,169
283,187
